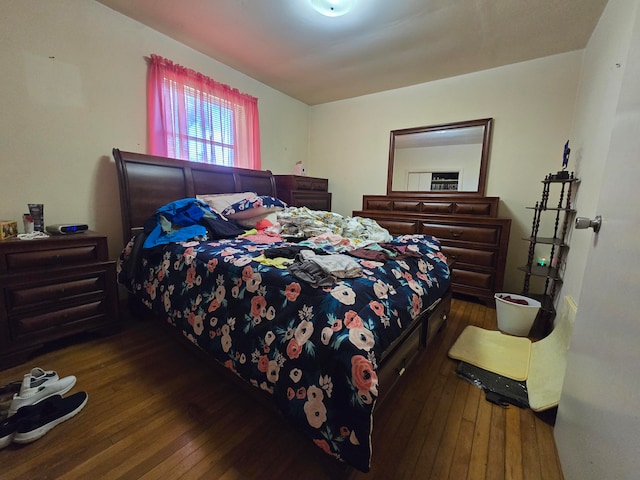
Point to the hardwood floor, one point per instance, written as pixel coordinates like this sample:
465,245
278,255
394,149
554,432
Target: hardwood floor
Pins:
156,412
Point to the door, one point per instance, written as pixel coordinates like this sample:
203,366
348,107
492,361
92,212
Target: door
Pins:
598,426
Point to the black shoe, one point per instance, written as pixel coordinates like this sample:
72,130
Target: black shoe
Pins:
8,427
38,419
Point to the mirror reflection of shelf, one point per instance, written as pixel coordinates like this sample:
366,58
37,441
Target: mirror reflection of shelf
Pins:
433,181
445,181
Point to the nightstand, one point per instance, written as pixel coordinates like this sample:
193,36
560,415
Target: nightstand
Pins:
302,191
54,287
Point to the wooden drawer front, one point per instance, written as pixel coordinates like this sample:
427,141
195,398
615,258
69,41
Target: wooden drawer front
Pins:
54,257
64,290
437,208
56,318
320,184
406,206
399,227
488,235
472,279
394,365
370,204
312,200
437,318
472,209
481,258
309,183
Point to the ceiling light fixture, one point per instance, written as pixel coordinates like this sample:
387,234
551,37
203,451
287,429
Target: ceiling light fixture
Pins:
333,8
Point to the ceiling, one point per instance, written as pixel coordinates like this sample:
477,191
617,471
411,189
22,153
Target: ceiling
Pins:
379,45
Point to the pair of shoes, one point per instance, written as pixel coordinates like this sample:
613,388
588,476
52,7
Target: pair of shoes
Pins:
46,385
31,422
37,377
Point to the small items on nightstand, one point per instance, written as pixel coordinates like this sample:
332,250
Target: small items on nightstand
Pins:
8,229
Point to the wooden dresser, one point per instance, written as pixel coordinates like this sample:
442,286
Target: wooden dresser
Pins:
472,237
51,288
303,191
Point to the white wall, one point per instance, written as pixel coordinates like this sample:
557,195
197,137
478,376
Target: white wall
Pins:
532,104
598,425
598,93
73,87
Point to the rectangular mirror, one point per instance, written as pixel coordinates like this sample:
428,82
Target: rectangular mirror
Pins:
442,159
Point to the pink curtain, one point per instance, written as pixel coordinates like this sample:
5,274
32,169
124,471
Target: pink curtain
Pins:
193,117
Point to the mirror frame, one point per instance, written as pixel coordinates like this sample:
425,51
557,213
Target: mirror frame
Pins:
484,157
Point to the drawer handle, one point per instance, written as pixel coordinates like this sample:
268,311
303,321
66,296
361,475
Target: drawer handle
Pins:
455,234
401,371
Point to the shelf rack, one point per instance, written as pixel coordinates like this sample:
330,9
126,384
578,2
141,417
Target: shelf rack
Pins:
551,271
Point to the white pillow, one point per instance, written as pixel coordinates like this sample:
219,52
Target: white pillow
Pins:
220,201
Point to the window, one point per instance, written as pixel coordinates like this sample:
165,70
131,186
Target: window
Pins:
195,118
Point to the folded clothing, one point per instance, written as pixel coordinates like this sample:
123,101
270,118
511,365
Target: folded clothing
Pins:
322,270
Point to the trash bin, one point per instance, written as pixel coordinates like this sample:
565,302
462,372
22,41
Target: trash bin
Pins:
515,318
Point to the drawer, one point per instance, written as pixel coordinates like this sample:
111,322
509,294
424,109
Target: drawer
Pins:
312,200
481,258
406,206
437,208
310,183
469,278
51,257
478,234
47,294
378,204
26,326
399,227
437,319
320,184
394,365
301,182
472,209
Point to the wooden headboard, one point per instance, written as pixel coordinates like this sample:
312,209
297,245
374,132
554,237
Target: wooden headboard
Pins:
148,182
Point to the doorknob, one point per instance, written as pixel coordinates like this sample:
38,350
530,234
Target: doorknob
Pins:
584,222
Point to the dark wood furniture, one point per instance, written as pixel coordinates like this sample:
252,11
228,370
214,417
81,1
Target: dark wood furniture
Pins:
464,221
549,266
52,288
303,191
470,236
147,182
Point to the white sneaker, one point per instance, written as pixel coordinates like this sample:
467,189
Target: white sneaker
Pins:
39,376
31,396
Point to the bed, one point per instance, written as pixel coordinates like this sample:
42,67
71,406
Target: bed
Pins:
326,356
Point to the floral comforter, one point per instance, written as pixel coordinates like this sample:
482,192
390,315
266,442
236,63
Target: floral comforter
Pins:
316,350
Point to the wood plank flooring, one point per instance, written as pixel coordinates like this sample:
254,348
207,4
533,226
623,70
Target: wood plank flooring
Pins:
156,412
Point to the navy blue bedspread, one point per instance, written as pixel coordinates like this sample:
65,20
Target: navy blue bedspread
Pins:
315,349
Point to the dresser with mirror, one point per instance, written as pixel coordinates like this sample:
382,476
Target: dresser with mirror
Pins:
436,185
